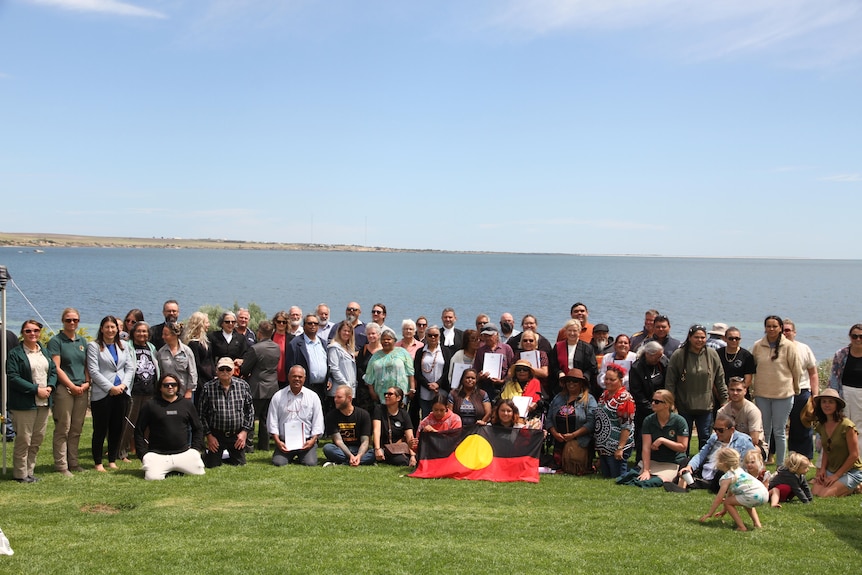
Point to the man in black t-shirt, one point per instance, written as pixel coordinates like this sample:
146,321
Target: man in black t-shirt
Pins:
350,429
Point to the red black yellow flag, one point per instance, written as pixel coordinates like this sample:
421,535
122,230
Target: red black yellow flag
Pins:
484,452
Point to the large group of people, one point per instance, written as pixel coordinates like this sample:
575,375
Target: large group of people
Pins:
184,398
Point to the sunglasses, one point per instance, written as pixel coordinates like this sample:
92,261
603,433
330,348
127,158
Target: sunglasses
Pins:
281,321
432,335
225,368
733,338
720,429
353,309
229,321
73,320
421,325
657,401
376,311
312,323
170,384
32,330
856,336
388,394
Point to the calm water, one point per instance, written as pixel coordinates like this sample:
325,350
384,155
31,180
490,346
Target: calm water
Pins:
617,290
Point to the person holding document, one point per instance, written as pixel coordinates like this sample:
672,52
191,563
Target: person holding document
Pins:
492,361
227,415
295,422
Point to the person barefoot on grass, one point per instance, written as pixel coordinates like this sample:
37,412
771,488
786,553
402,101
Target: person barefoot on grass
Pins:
738,488
789,480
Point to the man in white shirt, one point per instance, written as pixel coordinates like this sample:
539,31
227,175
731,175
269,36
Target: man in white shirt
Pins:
292,410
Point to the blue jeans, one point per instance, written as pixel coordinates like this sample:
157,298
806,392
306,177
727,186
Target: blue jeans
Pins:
703,423
334,454
612,467
775,413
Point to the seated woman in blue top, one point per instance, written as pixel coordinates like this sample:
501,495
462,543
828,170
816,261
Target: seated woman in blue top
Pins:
571,421
665,438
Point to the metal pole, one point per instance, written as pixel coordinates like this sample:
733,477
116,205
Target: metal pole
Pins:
4,277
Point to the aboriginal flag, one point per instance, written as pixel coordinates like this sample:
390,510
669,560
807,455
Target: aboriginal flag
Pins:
481,452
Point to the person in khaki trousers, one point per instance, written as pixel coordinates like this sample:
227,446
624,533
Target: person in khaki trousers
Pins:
32,377
68,350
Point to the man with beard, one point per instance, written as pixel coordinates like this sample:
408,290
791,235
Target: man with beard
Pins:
325,325
351,316
294,316
350,429
171,311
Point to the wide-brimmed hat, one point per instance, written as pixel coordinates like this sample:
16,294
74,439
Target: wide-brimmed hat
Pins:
520,363
718,329
831,393
574,374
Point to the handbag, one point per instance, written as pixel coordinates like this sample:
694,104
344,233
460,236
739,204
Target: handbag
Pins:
392,449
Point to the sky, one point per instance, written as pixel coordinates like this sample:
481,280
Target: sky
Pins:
661,127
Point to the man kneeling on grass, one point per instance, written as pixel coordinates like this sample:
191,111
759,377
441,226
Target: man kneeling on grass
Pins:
170,420
350,429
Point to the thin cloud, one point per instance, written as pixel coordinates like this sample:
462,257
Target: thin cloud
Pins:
814,31
843,178
102,7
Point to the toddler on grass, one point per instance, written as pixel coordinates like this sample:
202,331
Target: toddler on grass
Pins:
736,488
790,480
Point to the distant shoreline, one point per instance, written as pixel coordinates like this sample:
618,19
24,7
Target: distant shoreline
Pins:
41,241
37,241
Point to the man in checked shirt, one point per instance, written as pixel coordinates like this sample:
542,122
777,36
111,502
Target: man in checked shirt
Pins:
227,415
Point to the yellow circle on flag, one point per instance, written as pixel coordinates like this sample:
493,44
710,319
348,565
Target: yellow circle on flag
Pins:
474,452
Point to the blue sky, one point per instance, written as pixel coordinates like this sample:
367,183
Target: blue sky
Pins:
667,127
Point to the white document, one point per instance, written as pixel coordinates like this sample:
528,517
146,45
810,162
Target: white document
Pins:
493,364
294,434
457,371
532,357
522,402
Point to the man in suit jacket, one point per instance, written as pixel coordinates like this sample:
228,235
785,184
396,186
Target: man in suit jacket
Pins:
171,311
309,351
260,369
450,337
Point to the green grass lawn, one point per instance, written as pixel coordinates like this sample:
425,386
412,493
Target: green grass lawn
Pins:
260,519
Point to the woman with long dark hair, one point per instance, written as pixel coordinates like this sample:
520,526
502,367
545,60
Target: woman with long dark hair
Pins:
776,381
111,373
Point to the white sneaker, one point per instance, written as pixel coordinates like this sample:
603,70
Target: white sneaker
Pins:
329,464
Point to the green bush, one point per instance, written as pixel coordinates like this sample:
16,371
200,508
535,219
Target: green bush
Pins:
215,311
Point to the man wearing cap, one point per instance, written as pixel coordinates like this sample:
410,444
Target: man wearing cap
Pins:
507,327
162,434
716,336
295,409
602,343
579,312
227,415
490,337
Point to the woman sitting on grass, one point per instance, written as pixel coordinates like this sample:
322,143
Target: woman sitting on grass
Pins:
840,471
737,488
664,439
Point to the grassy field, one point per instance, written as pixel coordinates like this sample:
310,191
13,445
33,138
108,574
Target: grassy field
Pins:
260,519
